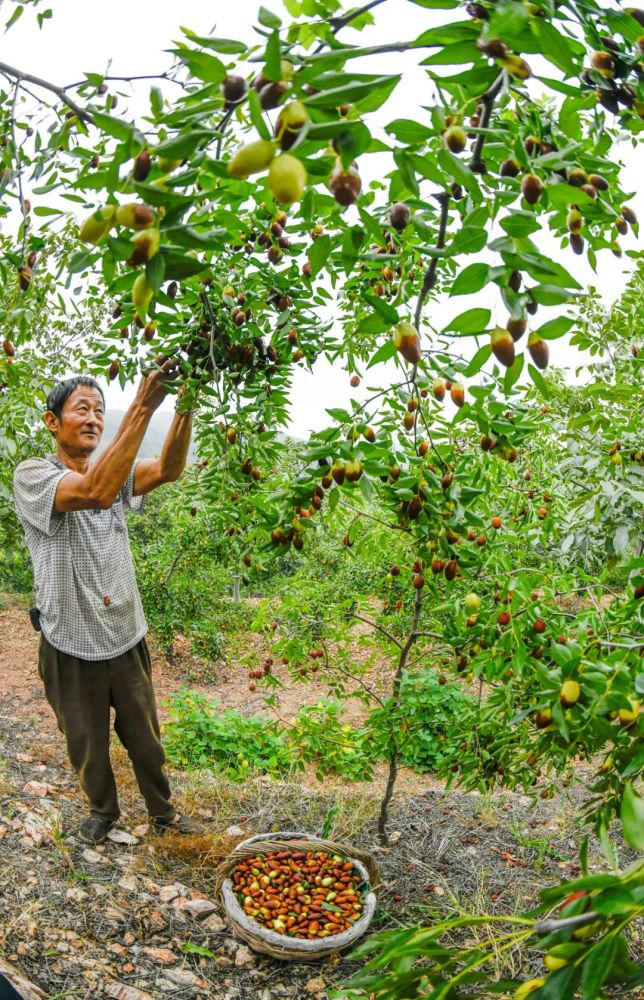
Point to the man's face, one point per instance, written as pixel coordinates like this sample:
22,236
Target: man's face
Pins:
79,429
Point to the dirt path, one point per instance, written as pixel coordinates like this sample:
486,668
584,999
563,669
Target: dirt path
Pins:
23,697
22,694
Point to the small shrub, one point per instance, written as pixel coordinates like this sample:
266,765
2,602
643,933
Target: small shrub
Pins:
201,735
434,714
319,736
207,640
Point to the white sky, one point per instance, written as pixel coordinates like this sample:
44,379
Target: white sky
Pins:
84,36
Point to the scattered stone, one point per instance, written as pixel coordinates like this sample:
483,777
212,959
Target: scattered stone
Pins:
25,758
222,962
128,883
33,828
200,907
186,978
234,831
214,924
121,837
39,788
117,949
156,921
395,836
141,830
98,889
315,985
119,991
76,895
93,857
167,893
244,958
164,956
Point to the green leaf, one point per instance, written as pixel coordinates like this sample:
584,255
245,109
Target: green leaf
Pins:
469,239
256,114
562,195
632,817
14,17
539,381
179,266
453,54
80,261
268,19
386,311
190,948
557,48
156,101
116,127
184,145
513,373
44,210
155,270
550,295
353,93
437,4
480,358
555,328
570,121
520,224
471,321
229,46
383,353
318,253
458,170
200,64
559,984
597,965
409,132
608,847
471,279
273,58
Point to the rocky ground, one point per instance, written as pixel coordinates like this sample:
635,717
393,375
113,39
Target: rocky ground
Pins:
139,917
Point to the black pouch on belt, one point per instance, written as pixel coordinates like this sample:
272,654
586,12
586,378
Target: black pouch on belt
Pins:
34,614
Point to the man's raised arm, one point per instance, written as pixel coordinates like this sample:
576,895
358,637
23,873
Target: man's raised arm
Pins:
102,483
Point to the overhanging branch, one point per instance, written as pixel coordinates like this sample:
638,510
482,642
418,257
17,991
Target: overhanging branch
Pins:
429,279
18,75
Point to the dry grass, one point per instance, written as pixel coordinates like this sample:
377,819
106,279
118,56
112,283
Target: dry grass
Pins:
6,785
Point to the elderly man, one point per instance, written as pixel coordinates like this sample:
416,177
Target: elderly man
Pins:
93,654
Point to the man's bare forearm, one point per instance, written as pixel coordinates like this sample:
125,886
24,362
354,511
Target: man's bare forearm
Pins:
110,471
175,447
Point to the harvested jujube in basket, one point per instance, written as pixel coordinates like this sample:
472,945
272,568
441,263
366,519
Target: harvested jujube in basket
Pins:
301,894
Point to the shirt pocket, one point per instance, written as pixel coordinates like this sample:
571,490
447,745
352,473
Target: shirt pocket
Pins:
118,515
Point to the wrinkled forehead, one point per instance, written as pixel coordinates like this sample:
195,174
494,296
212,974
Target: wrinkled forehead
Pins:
84,394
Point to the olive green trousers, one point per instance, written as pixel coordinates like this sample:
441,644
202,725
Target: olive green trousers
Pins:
82,694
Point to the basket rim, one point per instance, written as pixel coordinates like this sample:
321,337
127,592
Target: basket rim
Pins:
333,942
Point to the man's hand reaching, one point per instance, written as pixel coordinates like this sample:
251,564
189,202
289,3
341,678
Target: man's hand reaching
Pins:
153,387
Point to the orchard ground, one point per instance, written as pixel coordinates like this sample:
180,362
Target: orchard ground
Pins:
122,917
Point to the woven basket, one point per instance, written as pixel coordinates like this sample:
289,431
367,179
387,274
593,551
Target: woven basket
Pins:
269,942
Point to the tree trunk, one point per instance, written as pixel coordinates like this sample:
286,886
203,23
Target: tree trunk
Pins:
236,588
386,799
395,756
168,652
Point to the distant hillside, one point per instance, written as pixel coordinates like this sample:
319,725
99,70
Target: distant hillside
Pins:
153,440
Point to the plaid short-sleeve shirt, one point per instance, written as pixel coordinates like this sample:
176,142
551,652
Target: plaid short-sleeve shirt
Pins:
84,580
